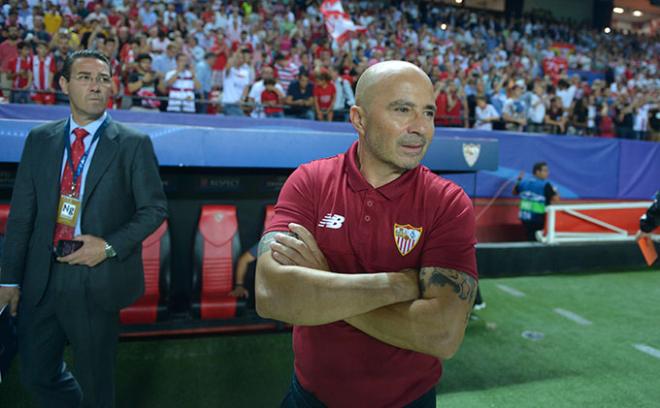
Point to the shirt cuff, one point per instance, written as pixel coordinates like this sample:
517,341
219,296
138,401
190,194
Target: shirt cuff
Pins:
9,285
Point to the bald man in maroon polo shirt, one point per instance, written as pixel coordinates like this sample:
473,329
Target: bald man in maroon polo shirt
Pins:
371,257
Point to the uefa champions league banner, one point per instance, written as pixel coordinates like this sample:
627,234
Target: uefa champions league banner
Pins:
580,167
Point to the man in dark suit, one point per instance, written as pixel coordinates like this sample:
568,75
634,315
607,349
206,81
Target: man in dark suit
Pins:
89,179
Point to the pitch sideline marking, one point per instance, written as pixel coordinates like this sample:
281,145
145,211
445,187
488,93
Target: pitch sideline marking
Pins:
511,291
653,352
572,316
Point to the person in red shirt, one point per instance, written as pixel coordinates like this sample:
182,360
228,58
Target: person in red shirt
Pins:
272,98
8,52
324,96
371,257
21,71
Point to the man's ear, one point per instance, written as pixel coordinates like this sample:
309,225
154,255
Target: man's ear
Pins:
358,118
64,85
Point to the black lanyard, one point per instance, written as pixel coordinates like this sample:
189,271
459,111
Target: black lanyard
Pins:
81,164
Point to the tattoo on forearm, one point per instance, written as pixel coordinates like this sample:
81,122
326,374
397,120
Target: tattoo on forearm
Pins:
266,240
464,285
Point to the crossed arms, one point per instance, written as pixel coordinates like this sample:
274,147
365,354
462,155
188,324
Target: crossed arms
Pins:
424,311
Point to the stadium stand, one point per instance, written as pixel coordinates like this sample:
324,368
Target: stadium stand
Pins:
152,306
216,250
601,84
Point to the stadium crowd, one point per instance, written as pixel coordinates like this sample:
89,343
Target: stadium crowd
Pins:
276,59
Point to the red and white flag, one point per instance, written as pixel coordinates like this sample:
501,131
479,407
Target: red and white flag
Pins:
338,23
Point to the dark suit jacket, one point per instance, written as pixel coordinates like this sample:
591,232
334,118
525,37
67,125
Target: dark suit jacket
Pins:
123,203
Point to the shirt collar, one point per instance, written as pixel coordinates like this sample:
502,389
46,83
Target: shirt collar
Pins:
91,127
357,182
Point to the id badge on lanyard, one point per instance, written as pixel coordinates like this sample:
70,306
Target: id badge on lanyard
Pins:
68,209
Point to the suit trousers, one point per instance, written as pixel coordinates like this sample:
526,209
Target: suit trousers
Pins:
67,314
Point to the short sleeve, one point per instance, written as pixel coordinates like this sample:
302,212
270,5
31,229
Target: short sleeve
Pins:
451,240
295,202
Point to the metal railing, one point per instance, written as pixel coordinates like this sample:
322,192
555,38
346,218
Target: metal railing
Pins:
607,231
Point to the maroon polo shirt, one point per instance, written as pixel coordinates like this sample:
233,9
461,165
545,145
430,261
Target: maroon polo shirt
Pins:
417,220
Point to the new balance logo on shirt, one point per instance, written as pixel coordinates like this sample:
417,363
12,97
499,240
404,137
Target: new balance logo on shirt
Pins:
332,221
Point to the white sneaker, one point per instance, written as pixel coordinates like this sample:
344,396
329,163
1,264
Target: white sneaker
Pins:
479,306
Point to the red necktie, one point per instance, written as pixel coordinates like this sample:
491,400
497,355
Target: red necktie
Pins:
63,231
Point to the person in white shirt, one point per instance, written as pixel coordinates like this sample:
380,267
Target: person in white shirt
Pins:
566,92
344,99
181,84
238,75
536,110
485,114
642,105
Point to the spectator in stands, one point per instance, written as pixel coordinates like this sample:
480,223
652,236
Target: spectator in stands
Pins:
43,74
166,62
8,52
555,117
245,271
344,98
285,70
642,106
535,194
578,116
237,78
204,71
624,118
592,114
536,111
192,49
142,83
39,30
76,296
605,122
514,111
272,99
300,98
566,92
651,219
53,18
181,84
21,71
257,89
485,114
317,281
325,94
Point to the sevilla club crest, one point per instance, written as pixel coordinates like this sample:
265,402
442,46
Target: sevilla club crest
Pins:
406,237
471,153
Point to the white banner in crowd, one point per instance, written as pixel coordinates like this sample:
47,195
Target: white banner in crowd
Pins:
339,24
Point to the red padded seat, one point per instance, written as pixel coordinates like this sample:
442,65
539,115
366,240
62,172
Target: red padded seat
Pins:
4,214
217,247
156,265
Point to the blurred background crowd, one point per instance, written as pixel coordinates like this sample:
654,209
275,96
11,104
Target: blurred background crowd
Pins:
275,59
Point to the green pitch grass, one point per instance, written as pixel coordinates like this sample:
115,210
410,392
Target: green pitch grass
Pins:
573,365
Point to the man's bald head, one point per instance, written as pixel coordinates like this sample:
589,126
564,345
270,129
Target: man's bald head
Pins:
381,74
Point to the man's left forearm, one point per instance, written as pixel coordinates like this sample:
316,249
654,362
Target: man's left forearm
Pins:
433,325
421,325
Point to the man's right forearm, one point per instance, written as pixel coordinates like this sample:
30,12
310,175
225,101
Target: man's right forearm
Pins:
305,296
